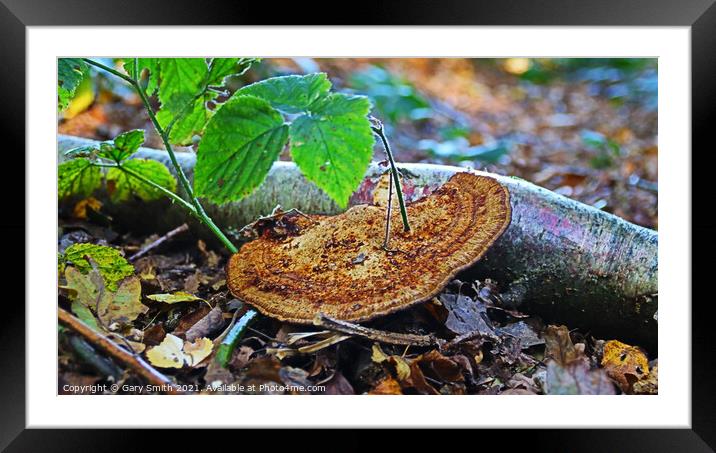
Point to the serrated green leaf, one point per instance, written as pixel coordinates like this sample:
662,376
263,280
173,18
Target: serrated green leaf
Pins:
182,79
241,142
221,68
77,177
291,94
82,151
111,265
183,95
191,122
333,145
152,67
123,145
70,72
122,187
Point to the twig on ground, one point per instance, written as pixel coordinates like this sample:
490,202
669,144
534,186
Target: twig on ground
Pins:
127,358
167,237
327,322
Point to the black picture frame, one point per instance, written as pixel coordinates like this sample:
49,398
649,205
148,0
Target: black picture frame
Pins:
699,15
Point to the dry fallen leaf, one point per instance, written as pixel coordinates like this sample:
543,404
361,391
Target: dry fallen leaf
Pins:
173,352
568,370
121,306
387,386
80,209
625,364
173,298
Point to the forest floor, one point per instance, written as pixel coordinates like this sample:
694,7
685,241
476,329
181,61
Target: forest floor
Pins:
589,135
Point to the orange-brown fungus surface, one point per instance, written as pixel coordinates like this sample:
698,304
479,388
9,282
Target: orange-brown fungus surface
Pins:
336,264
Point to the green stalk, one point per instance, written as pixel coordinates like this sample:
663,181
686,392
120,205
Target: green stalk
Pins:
182,202
380,132
227,346
184,181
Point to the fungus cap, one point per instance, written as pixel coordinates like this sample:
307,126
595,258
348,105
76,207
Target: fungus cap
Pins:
336,264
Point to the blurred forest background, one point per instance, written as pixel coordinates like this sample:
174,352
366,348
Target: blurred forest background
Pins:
585,128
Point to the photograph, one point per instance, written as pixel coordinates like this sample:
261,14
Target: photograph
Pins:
306,225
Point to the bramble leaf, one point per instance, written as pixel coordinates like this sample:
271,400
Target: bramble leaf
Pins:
77,177
182,81
290,94
123,146
111,265
184,92
70,72
333,144
240,144
221,68
122,187
191,121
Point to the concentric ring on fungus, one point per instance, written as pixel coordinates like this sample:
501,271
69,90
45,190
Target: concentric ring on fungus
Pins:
336,264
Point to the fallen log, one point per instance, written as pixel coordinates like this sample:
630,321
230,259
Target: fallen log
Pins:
559,258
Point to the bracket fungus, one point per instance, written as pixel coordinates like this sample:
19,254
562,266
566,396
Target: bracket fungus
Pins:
301,265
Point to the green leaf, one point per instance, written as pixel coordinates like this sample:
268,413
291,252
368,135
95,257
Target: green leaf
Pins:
333,145
70,72
110,263
183,95
192,121
240,144
179,296
290,94
182,79
151,65
123,146
221,68
77,177
122,187
85,314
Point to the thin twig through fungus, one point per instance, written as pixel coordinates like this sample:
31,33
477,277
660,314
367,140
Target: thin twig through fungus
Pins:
336,265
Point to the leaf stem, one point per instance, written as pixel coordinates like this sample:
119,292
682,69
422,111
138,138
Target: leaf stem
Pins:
182,202
378,129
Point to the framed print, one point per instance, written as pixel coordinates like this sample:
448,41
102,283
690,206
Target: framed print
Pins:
377,226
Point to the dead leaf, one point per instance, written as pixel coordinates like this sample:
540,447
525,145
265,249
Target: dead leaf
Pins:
187,321
179,296
122,306
339,385
197,351
207,325
173,352
648,385
524,332
625,364
80,209
568,370
466,315
168,354
387,386
154,335
212,259
440,367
